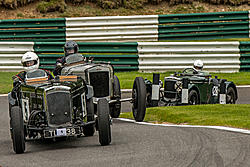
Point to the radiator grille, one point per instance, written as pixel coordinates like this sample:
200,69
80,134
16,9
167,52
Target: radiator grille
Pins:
170,91
100,83
59,108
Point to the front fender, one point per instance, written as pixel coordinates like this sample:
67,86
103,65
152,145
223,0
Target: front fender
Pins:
12,101
194,87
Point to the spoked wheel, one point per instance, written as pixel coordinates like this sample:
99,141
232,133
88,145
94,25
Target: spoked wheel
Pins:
115,108
90,129
103,122
230,96
193,97
17,129
139,99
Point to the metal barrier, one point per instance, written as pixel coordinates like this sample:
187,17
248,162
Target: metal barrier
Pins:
172,56
245,56
123,56
113,28
33,30
204,26
11,54
150,56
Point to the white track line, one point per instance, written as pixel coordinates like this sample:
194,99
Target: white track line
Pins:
190,126
243,86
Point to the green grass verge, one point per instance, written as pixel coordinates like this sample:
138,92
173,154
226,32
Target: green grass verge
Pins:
229,115
6,81
127,78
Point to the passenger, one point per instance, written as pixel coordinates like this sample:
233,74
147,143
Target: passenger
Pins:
70,47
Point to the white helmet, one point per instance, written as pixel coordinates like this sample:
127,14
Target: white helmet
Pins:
30,61
198,65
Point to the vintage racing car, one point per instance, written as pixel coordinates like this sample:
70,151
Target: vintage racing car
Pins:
82,99
189,88
102,83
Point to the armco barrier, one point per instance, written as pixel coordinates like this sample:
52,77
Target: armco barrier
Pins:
11,54
32,30
113,28
150,56
204,26
122,55
172,56
245,56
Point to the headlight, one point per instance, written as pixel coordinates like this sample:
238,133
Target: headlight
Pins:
160,83
178,86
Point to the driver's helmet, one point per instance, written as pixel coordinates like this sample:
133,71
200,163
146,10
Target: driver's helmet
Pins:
70,47
198,65
30,61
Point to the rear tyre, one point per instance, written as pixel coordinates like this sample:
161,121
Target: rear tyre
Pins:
103,122
115,108
139,99
90,129
17,130
193,97
230,96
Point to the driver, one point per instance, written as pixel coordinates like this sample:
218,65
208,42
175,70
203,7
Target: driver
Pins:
70,47
30,61
198,67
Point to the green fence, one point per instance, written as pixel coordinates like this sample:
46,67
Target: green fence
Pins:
245,56
204,26
123,56
33,30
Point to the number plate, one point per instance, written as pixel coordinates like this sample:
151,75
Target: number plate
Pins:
215,91
61,132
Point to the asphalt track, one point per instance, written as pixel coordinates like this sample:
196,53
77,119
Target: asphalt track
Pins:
133,145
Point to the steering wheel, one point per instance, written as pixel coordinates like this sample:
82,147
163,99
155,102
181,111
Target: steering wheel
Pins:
189,71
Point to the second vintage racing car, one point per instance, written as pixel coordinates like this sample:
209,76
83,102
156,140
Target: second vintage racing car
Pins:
188,88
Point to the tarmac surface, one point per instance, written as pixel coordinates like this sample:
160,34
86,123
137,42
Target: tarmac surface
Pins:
133,145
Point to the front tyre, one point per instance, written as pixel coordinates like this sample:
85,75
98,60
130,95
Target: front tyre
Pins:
89,130
115,108
139,99
193,97
17,129
230,96
103,122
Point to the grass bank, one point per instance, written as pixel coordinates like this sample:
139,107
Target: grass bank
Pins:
6,81
127,78
236,115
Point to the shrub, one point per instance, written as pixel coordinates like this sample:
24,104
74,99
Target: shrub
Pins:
134,4
75,2
51,6
109,4
13,4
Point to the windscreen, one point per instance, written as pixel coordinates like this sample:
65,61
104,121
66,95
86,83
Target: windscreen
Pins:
36,74
74,58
